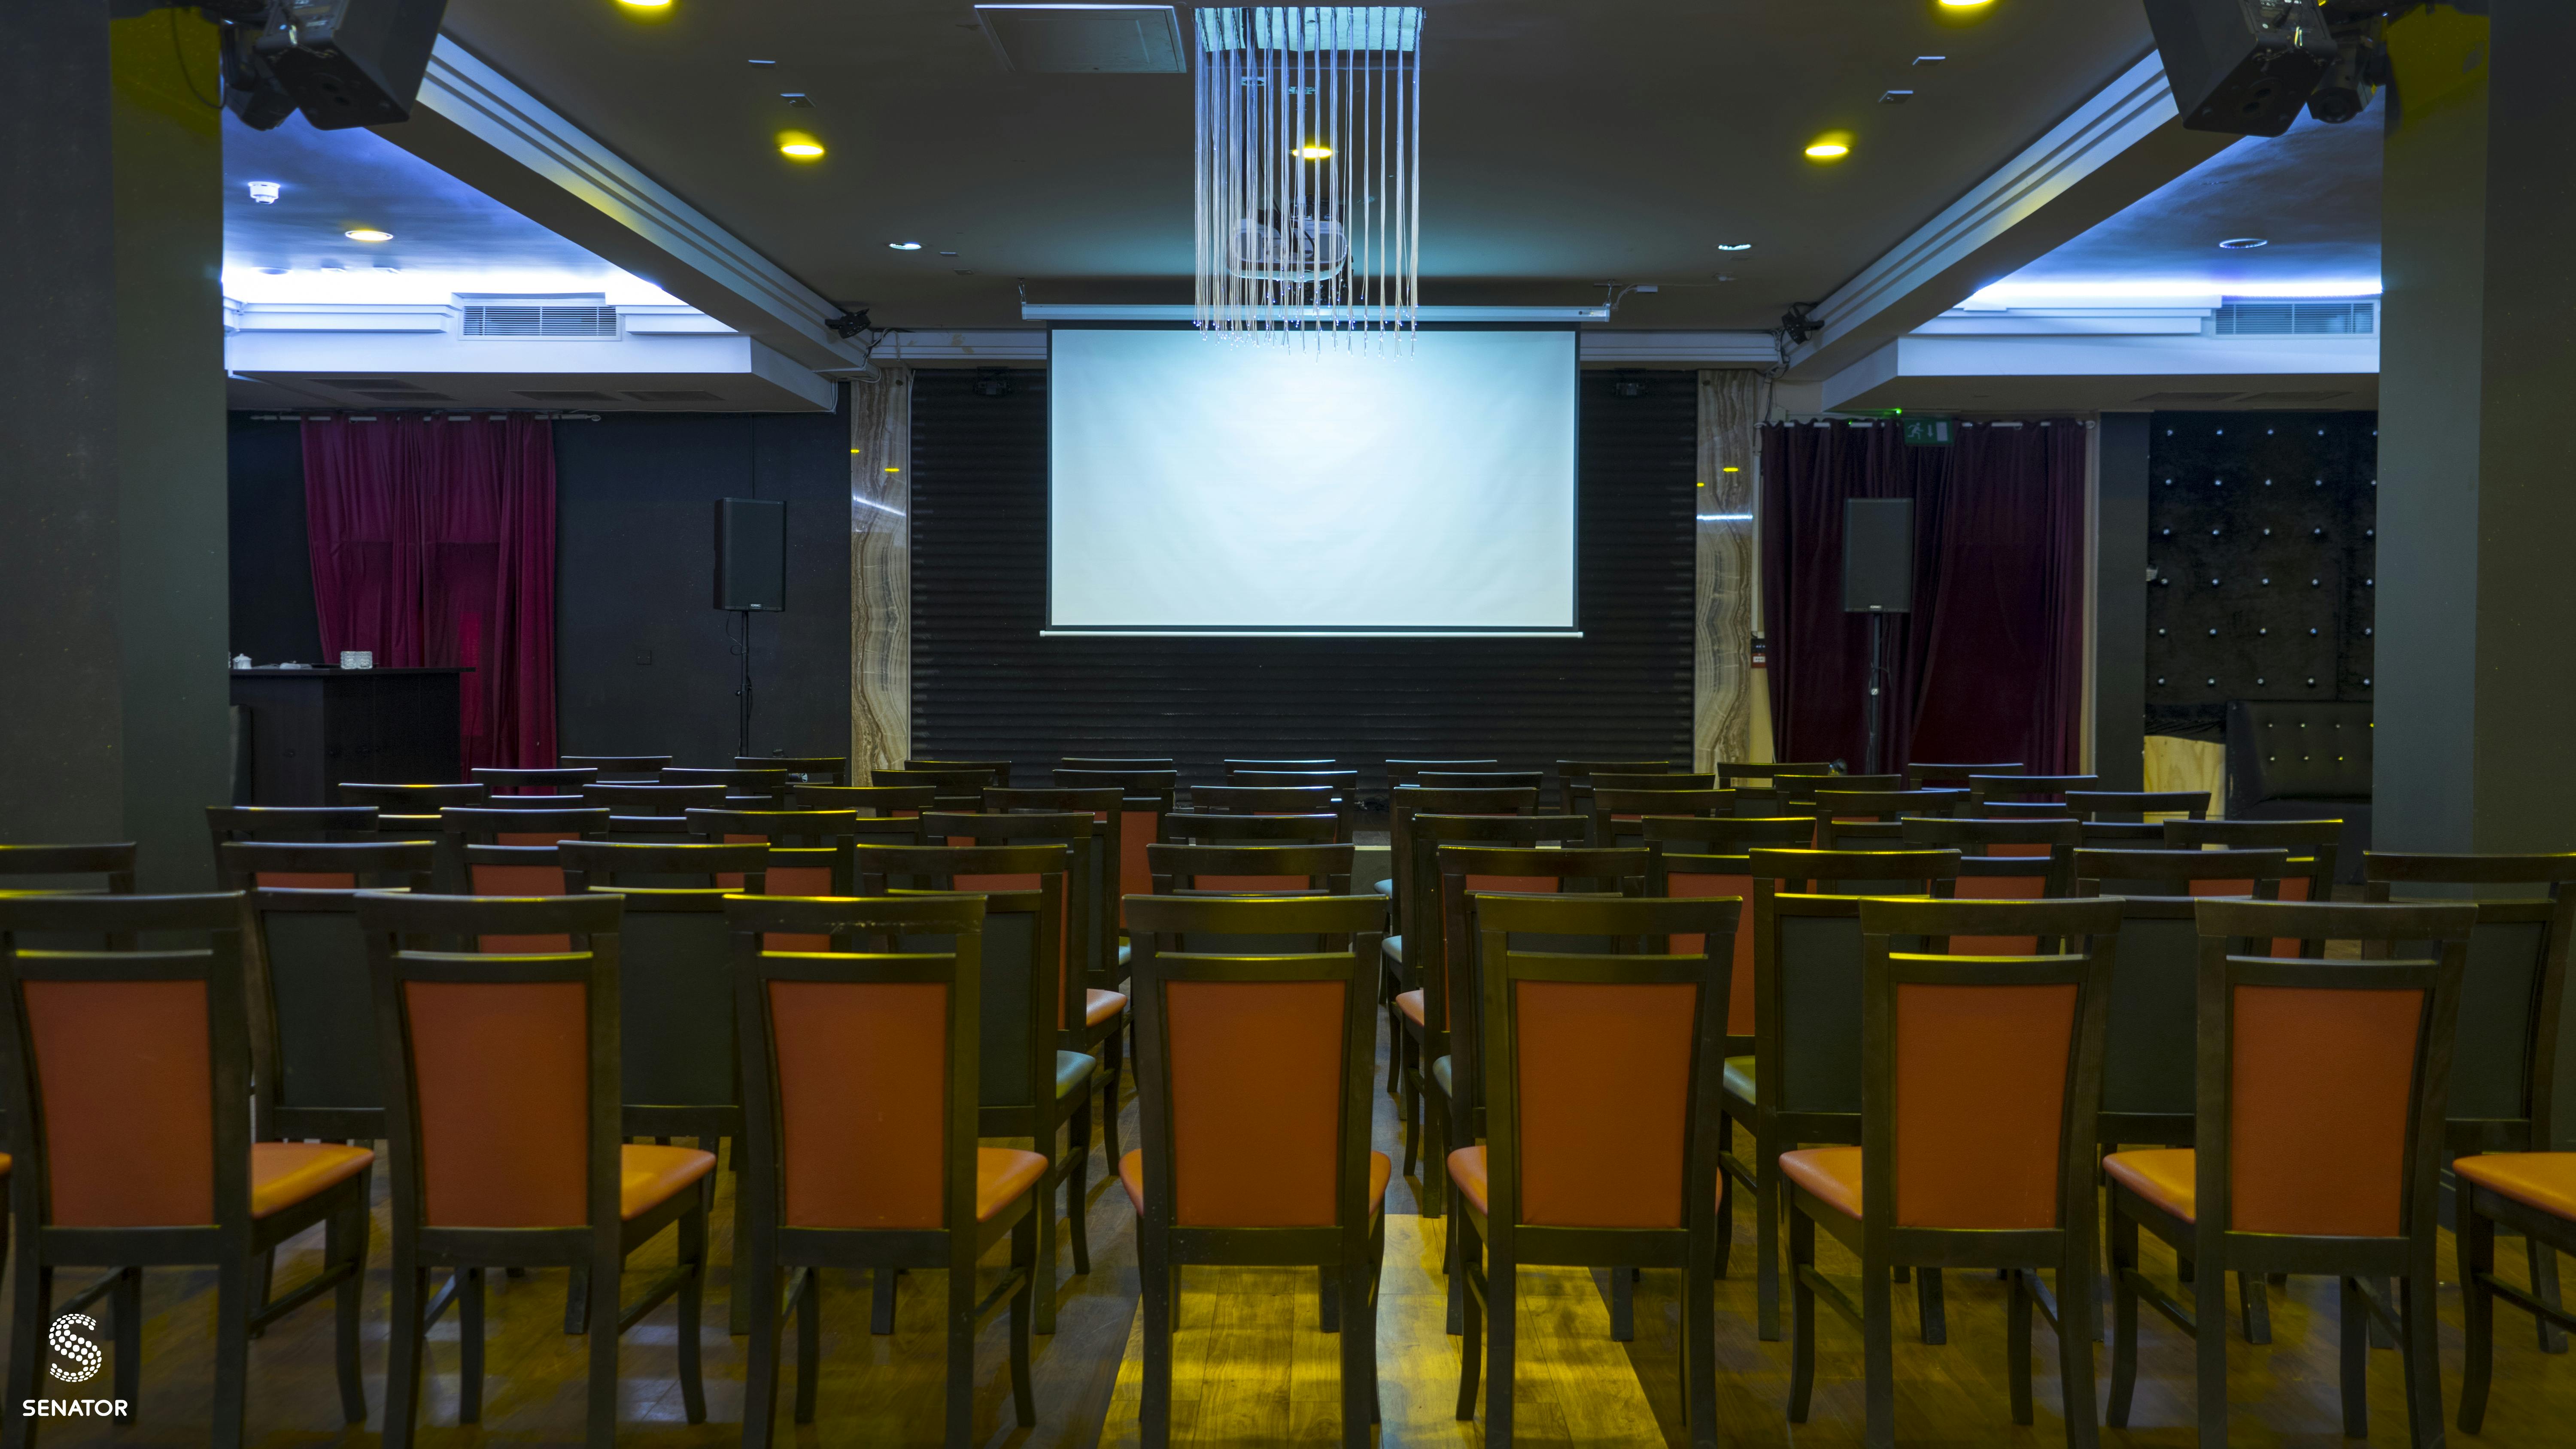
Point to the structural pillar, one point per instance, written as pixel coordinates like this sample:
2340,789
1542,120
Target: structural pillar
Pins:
2120,601
2476,680
112,531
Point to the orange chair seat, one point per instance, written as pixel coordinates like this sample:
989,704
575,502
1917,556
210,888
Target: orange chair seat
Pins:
2165,1176
283,1174
648,1176
2545,1181
1002,1175
1099,1006
1410,1003
1131,1175
1831,1173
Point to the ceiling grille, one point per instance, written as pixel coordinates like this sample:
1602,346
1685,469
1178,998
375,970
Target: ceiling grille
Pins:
498,319
2297,319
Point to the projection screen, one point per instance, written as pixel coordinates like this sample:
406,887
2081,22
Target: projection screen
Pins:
1205,486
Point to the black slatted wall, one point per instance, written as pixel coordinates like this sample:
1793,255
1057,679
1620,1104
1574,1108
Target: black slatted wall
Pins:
985,686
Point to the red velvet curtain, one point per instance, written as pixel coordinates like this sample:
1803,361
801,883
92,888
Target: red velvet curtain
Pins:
434,544
1990,665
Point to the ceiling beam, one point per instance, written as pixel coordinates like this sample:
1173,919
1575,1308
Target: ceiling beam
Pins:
480,127
2123,142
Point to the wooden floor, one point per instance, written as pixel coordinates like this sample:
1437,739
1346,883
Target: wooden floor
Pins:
1253,1369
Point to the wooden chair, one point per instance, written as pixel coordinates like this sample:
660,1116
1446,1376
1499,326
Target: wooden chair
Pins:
999,769
1252,1076
2137,804
2504,1078
487,852
2003,859
2534,1194
2019,785
1406,801
307,823
1033,1086
1407,912
1855,819
1117,765
1979,1076
1192,828
1235,767
1342,781
801,769
1614,801
1729,772
410,799
1262,800
1145,801
809,850
506,1137
1091,1017
126,1076
1602,1126
2319,1090
656,802
1574,777
1926,777
1267,870
113,864
1699,859
2313,846
1403,772
563,780
746,787
862,1109
1802,1084
1107,847
1479,779
638,769
887,814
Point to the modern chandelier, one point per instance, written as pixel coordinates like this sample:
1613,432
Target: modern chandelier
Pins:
1309,168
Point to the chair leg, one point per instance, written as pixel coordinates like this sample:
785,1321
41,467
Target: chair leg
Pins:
1699,1350
2380,1337
1502,1313
1623,1305
1077,1175
881,1300
2423,1354
692,1296
2252,1293
469,1345
1157,1288
1112,1052
31,1295
1878,1355
2544,1286
1328,1301
1359,1344
1044,1211
2477,1311
345,1241
1452,1264
128,1313
1024,1255
1409,1068
263,1272
738,1304
2124,1319
1435,1151
1766,1240
1471,1326
961,1350
809,1345
1802,1317
577,1302
403,1352
755,1282
604,1267
1725,1211
2075,1280
2209,1342
1931,1308
2017,1317
232,1354
2352,1348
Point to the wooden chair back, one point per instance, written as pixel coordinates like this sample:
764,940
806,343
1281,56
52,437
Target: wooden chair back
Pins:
1925,777
562,780
635,769
801,769
1191,828
2137,804
743,785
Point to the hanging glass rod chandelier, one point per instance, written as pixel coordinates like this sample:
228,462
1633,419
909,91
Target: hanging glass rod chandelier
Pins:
1309,168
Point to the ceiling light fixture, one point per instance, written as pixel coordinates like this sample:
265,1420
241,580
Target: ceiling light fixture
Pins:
905,246
2244,243
665,4
1965,4
367,234
264,192
1314,151
1735,246
798,146
1831,146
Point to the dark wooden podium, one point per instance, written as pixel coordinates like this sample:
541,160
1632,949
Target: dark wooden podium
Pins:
310,729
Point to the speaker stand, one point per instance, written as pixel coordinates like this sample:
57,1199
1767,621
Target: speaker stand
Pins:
742,692
1871,677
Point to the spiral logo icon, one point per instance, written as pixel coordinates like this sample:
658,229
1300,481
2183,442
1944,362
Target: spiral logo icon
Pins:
66,1339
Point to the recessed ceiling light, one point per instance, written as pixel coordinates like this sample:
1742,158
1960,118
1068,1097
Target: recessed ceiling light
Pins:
1313,151
764,62
1945,4
665,4
1930,59
1831,146
2244,243
367,234
272,271
1895,98
264,192
798,146
905,246
1735,246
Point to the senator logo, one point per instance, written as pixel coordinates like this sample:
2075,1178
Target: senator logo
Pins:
77,1361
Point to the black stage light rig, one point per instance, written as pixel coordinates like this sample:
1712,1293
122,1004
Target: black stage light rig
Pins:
343,63
2247,67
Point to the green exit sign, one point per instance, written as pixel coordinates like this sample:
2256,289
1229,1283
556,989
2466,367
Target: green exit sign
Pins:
1927,432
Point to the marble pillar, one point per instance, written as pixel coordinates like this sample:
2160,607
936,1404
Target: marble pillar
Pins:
1722,693
880,573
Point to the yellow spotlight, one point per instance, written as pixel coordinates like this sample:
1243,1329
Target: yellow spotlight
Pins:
1831,146
1945,4
1732,469
664,4
367,234
1313,151
798,146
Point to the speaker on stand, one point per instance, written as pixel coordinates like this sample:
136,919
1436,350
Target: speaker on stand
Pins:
1878,580
751,578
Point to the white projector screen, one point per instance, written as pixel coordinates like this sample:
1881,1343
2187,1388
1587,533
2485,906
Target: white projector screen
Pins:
1205,486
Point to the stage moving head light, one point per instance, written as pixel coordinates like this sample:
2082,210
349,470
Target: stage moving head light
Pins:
343,63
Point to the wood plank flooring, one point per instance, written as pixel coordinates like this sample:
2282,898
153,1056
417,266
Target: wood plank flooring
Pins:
1263,1375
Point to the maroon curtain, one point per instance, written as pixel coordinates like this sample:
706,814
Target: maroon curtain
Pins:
434,544
1989,666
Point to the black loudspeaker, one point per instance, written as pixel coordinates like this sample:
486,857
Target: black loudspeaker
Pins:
2242,67
751,555
351,62
1878,555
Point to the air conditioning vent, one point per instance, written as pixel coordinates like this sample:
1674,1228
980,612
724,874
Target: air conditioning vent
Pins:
570,396
2297,319
1085,39
677,394
502,319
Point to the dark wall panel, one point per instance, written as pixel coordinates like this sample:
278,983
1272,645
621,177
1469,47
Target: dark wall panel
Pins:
273,619
2262,529
643,660
985,686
